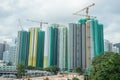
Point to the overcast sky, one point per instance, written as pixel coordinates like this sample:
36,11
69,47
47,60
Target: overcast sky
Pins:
57,11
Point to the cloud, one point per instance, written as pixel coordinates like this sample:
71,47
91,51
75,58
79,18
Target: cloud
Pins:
57,11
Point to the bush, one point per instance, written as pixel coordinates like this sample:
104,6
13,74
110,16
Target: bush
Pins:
78,70
75,78
30,68
53,69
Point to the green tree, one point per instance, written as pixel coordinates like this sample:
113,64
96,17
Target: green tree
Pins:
53,69
40,68
30,68
21,69
106,67
78,70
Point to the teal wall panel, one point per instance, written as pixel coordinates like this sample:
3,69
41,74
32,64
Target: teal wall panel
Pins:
23,44
40,49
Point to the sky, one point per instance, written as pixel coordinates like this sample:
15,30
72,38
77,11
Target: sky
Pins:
57,11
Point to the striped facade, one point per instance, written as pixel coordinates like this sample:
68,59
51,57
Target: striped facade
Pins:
94,39
62,47
55,51
53,54
46,47
76,45
65,47
36,48
40,49
23,47
85,41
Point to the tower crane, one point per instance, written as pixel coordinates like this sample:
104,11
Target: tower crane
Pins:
19,22
40,22
86,10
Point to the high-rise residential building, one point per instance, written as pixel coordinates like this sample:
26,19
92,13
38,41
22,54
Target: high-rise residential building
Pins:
10,54
85,41
53,55
94,40
3,47
40,47
62,47
109,47
6,57
36,48
76,45
1,51
51,46
115,49
55,51
118,46
22,47
46,47
65,47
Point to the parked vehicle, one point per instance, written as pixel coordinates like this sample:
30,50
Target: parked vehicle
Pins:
9,76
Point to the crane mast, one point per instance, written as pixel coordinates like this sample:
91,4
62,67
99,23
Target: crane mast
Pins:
19,22
86,9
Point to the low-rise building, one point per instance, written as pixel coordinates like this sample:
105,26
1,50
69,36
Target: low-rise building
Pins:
4,67
7,68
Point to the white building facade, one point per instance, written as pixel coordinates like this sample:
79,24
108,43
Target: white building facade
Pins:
109,47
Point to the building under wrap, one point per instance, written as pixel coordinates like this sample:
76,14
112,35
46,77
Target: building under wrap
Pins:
53,55
65,47
55,51
23,47
94,39
36,48
40,49
76,46
62,47
46,47
85,41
